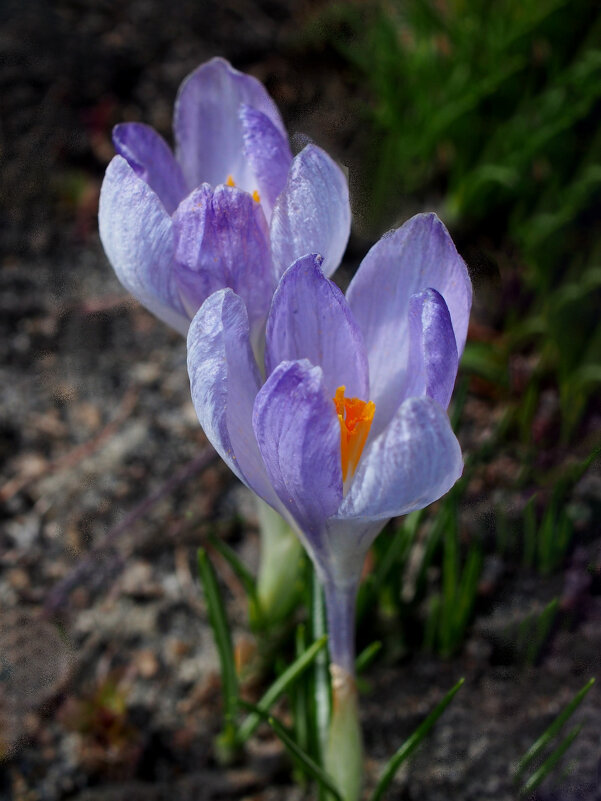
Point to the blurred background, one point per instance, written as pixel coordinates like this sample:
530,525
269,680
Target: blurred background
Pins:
488,114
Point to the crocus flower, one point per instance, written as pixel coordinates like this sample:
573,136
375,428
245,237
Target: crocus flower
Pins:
349,426
232,207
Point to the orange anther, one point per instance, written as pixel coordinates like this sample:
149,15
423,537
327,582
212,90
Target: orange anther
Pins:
230,181
355,417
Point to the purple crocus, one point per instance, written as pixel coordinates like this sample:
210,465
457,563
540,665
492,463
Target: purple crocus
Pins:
344,425
232,207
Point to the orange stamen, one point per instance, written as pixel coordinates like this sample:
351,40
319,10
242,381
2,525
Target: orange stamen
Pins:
256,197
355,417
230,181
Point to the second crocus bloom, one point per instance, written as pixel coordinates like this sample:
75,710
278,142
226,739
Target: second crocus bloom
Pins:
349,426
231,208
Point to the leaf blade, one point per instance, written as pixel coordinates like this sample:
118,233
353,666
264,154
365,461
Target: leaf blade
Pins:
412,742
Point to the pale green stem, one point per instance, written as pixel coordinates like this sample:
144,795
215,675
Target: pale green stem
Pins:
278,581
344,755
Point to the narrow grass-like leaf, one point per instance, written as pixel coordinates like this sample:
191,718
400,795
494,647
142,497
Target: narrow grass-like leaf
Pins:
321,675
223,640
398,547
412,743
309,765
433,539
549,764
432,623
553,729
450,581
538,632
529,532
242,572
300,700
367,656
468,589
279,686
459,399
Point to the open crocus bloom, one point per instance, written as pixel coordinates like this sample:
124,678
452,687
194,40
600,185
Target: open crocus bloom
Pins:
232,207
349,427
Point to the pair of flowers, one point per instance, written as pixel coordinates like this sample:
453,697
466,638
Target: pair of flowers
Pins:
331,408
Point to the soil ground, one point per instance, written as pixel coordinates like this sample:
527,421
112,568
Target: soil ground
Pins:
108,485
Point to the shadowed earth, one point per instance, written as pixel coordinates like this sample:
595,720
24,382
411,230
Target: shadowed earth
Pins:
109,685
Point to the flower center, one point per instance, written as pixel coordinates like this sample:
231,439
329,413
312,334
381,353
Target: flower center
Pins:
255,195
355,417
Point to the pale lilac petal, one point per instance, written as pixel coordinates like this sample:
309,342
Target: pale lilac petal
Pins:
299,438
222,241
411,464
432,349
310,319
268,154
312,214
152,160
346,543
224,381
137,236
198,273
207,128
419,255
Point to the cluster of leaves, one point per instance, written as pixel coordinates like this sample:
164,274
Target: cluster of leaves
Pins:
497,115
535,755
305,682
425,578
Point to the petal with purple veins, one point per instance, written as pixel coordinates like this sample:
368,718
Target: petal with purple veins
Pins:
224,381
299,438
151,158
432,350
268,154
207,128
310,319
137,235
222,241
413,462
312,214
418,255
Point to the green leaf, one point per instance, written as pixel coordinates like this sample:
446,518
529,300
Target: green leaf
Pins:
279,686
367,656
242,572
399,547
409,746
308,764
485,360
545,769
300,700
538,632
529,532
223,640
553,729
321,673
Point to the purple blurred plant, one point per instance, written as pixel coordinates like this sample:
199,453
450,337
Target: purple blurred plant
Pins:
232,207
337,467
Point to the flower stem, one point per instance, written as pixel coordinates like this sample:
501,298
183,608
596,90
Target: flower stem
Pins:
340,607
279,577
344,753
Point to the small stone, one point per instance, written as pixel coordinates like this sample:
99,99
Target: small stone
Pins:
87,415
175,650
137,582
18,579
146,663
